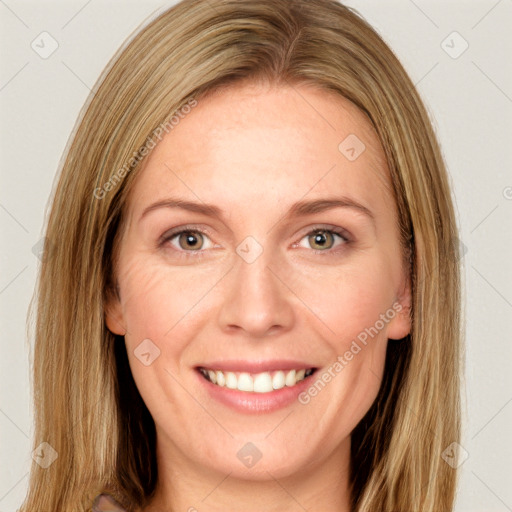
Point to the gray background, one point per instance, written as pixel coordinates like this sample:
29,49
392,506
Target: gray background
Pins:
469,96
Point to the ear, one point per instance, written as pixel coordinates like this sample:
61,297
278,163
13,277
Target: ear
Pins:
114,314
401,323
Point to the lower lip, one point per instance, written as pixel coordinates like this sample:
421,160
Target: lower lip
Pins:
256,403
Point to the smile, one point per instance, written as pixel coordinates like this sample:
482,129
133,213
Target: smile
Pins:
263,382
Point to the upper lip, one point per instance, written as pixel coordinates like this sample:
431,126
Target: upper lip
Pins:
255,366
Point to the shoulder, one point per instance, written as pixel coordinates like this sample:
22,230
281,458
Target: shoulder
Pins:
105,503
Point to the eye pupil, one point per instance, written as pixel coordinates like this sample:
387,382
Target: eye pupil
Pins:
191,238
320,237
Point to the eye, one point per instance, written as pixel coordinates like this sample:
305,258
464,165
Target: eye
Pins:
323,239
187,239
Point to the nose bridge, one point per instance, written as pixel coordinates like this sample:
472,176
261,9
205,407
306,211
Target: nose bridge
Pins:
256,301
255,276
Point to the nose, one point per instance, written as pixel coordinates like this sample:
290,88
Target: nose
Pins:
256,301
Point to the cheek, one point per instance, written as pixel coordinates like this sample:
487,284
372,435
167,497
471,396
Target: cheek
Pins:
164,310
161,311
353,311
158,302
346,300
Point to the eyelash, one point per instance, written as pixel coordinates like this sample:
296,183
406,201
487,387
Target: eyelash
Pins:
201,253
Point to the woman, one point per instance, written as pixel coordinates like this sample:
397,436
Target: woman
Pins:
252,299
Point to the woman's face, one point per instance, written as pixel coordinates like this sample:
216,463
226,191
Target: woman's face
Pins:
290,260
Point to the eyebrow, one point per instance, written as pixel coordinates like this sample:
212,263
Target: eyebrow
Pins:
298,209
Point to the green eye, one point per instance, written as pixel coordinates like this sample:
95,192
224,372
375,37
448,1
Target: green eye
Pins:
321,239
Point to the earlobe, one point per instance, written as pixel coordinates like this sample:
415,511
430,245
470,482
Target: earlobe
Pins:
401,324
114,316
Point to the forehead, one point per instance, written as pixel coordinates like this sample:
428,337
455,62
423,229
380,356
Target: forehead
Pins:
248,145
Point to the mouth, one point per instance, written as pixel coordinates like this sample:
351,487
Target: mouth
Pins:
262,382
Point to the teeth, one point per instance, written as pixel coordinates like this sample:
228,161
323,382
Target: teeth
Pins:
256,383
278,380
263,383
245,382
231,380
290,378
221,380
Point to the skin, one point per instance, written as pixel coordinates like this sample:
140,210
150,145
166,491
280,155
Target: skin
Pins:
254,150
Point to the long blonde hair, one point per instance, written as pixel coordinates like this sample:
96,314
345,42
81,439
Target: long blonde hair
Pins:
87,407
